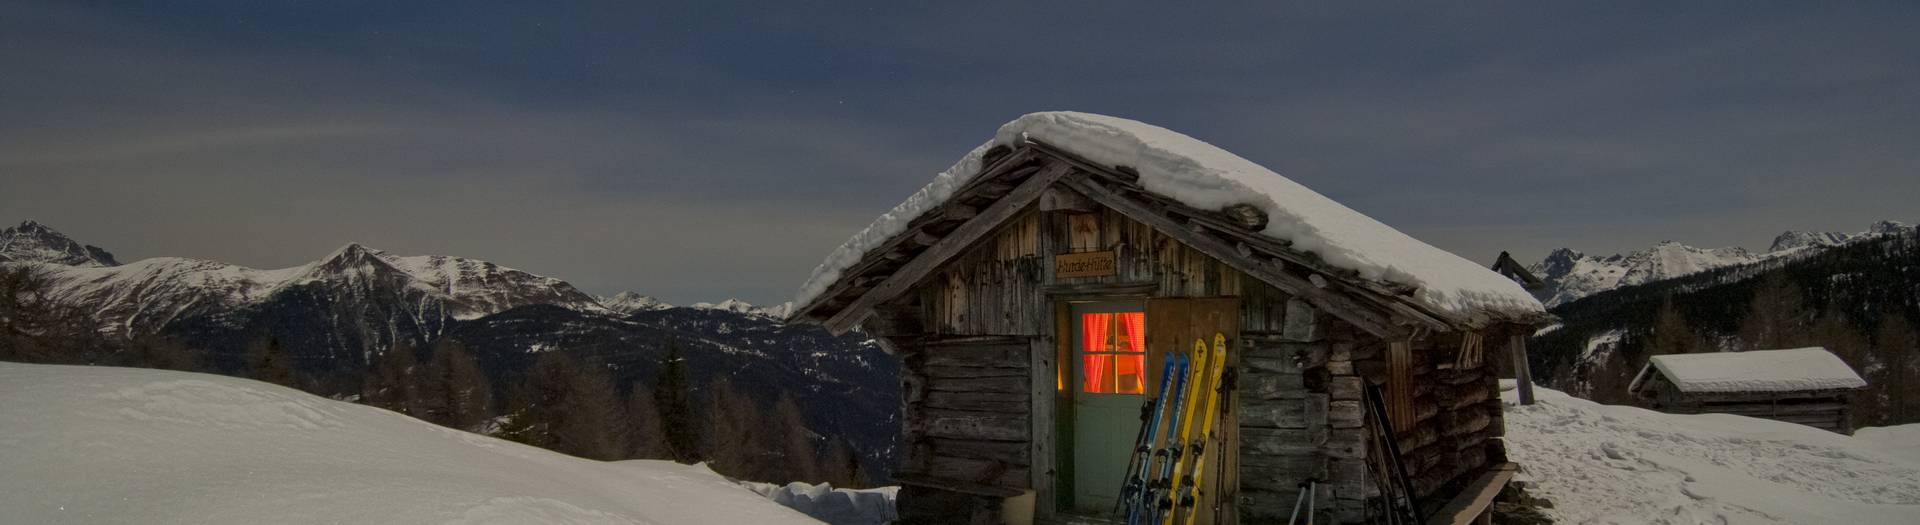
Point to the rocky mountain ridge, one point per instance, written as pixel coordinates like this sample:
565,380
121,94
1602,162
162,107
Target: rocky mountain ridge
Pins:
1571,275
31,242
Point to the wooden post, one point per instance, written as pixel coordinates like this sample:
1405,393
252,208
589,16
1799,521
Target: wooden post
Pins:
1041,366
1522,376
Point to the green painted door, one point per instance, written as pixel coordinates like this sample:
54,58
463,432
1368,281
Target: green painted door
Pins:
1109,384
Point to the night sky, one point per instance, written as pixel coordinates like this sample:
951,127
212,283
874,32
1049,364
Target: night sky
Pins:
722,150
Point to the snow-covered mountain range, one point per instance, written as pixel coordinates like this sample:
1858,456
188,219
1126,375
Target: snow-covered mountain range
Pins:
1571,275
632,303
335,314
142,296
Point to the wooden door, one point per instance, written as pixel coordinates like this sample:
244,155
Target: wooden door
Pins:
1109,383
1172,326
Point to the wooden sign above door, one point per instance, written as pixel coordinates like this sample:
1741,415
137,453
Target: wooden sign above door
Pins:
1083,264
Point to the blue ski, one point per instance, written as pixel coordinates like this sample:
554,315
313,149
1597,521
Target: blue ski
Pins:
1144,508
1134,490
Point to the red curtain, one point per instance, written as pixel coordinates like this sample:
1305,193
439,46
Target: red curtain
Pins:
1093,332
1132,368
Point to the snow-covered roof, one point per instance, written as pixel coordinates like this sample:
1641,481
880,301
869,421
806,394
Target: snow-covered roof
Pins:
1202,176
1798,369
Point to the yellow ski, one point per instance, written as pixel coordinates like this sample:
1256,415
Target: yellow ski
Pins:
1215,369
1195,383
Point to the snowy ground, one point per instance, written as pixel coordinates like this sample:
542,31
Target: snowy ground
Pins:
1612,464
118,445
836,506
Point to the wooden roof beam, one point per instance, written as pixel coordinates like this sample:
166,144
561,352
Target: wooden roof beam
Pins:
996,166
973,230
1346,308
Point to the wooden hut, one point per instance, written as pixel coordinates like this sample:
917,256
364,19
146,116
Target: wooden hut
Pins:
1034,289
1809,386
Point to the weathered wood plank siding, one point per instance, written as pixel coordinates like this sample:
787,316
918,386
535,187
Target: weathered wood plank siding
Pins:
1001,286
966,411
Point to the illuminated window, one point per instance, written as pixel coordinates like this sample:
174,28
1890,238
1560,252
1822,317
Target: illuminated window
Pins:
1113,353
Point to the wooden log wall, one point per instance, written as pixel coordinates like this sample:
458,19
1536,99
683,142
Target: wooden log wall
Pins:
1823,410
1304,415
966,411
1455,409
1281,425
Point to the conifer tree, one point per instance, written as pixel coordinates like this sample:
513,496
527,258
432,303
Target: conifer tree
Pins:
1897,343
1838,335
1673,335
672,396
1775,315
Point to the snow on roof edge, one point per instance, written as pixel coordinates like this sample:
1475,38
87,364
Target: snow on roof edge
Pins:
1206,177
1786,370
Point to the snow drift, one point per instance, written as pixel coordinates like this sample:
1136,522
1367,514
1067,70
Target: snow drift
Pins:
119,445
1625,465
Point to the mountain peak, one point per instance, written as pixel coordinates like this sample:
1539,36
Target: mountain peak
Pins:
1886,227
630,302
1796,239
35,242
731,305
353,251
353,256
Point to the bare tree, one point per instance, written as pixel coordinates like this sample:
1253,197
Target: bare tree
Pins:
390,384
733,437
644,437
799,457
452,390
37,328
268,361
590,420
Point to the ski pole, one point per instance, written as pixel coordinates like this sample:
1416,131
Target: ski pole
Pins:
1295,517
1313,489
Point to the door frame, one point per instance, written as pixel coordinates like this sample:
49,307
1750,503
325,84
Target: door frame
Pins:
1052,407
1069,379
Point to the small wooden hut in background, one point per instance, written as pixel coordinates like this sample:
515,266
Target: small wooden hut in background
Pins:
1033,291
1809,386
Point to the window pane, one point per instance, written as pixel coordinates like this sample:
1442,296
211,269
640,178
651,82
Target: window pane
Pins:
1097,374
1131,373
1131,332
1096,330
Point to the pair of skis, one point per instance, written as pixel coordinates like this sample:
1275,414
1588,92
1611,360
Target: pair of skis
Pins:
1159,498
1136,494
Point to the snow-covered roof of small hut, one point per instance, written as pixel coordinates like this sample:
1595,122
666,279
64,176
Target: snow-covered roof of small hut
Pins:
1206,177
1798,369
